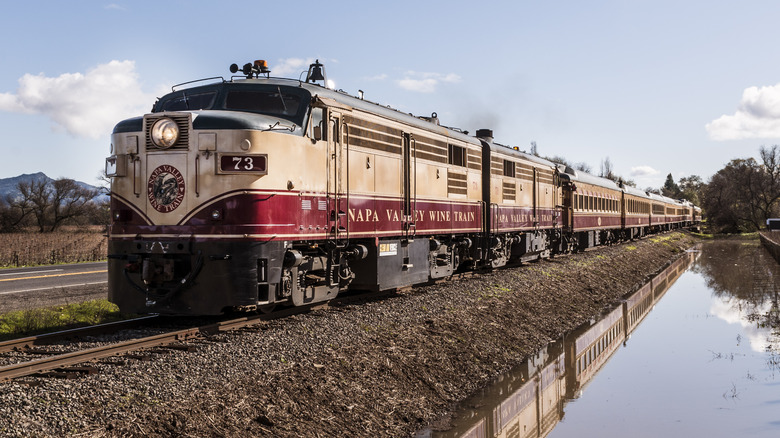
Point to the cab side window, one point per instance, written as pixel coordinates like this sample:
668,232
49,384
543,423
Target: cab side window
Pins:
317,129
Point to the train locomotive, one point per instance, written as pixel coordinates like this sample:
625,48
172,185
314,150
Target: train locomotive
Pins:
255,191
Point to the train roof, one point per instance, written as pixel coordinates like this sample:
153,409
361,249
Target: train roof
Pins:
332,97
508,150
664,199
427,123
580,176
635,191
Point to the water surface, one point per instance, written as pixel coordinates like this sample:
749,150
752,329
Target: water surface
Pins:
691,353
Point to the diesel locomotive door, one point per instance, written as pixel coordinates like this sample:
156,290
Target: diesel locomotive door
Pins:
337,216
409,188
536,198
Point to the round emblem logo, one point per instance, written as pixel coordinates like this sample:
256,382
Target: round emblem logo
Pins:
165,188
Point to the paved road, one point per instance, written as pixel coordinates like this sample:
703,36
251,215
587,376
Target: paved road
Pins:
20,280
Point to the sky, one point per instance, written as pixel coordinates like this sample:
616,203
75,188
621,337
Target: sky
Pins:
659,87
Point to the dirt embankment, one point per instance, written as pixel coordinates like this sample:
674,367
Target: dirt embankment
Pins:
381,368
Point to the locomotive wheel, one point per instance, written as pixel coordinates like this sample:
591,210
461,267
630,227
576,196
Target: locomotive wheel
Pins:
268,308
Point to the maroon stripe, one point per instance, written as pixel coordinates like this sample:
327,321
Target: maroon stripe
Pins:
596,221
520,218
286,215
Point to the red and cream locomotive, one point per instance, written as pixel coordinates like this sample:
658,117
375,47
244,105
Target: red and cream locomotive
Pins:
254,191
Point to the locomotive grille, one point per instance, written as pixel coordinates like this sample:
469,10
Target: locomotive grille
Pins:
457,184
509,191
183,122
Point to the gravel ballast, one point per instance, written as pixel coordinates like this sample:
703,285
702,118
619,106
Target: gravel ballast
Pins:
381,368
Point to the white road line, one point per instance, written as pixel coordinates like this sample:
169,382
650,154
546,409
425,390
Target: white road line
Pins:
50,288
32,272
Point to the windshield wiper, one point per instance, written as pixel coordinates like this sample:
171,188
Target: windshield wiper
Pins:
281,97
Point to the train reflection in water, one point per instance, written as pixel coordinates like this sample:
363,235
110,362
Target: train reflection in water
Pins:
529,401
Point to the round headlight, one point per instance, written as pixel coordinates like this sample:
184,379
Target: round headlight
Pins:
165,132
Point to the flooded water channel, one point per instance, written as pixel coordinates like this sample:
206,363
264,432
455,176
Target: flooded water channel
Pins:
691,353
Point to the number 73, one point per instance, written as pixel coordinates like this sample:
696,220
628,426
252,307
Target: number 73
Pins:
248,163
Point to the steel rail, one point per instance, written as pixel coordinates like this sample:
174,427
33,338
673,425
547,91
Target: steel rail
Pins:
77,357
48,338
69,359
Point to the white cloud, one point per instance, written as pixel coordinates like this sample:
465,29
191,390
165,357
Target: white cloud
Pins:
422,82
291,67
84,105
379,77
735,311
757,116
643,171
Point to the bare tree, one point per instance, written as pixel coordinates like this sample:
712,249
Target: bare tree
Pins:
104,182
534,150
608,172
14,213
770,160
36,194
606,169
68,200
576,166
53,203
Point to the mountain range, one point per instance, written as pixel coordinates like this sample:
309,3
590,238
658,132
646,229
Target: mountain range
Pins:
8,185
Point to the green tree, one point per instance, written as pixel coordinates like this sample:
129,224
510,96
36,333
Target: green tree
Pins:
691,188
670,188
745,193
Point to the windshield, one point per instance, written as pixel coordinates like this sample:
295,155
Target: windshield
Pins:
186,101
271,102
285,102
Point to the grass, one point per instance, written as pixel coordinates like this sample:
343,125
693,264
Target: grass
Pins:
48,319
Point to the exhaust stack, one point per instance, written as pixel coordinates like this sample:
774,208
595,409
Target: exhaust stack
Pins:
485,134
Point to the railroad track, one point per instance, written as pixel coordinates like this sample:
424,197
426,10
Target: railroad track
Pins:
63,361
93,330
63,364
